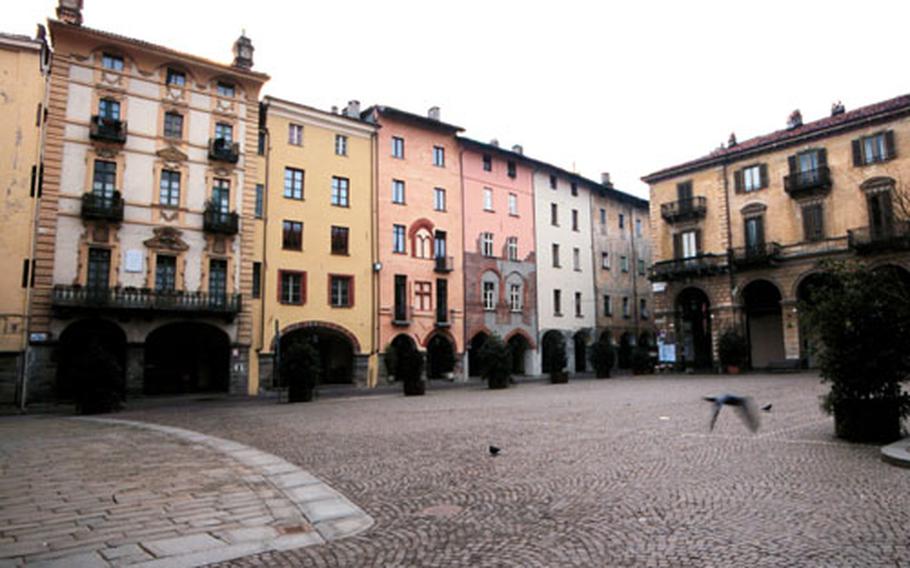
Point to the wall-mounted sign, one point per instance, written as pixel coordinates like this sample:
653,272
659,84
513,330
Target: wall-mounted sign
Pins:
133,261
658,287
37,337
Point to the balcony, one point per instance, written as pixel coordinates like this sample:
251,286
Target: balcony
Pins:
401,316
808,183
682,268
219,222
99,207
754,256
222,150
684,210
444,264
107,129
869,240
70,299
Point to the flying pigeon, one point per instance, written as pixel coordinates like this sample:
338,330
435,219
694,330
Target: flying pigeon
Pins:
743,405
494,451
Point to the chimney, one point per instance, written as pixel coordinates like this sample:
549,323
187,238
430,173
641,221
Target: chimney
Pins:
795,120
837,108
732,141
517,148
433,113
334,109
352,110
494,142
605,179
243,52
70,12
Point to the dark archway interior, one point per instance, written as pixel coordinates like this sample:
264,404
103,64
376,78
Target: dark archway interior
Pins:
551,340
581,351
185,358
624,355
336,353
694,311
75,340
765,323
809,289
440,357
518,346
474,353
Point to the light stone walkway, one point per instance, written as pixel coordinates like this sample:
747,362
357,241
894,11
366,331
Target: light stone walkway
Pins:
102,492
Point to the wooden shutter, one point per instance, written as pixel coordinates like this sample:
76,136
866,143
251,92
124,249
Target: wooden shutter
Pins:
822,158
763,172
761,230
857,152
807,223
738,181
818,219
889,145
887,211
697,241
677,245
791,163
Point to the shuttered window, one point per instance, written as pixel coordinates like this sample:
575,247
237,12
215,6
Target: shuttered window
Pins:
751,178
813,222
873,149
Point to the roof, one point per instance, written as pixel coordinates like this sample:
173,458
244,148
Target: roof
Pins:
21,41
827,126
422,121
255,75
270,99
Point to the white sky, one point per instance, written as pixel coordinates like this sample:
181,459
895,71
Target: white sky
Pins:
627,87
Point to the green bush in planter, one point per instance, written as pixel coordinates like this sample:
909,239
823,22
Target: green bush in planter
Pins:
732,349
861,321
496,362
410,370
603,356
641,361
99,383
300,370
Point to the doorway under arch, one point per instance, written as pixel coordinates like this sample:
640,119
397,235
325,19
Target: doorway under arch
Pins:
186,357
551,342
693,312
82,337
518,348
764,323
336,352
624,352
477,343
440,357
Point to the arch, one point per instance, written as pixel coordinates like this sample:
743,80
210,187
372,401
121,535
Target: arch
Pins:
738,292
522,333
422,223
753,208
84,336
693,324
186,357
491,270
877,182
440,356
551,341
580,341
335,348
474,346
519,346
176,66
764,322
324,324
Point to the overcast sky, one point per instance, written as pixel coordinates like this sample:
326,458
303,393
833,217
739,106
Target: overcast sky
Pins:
626,87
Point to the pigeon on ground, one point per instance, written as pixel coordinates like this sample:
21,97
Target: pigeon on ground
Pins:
494,451
743,405
766,408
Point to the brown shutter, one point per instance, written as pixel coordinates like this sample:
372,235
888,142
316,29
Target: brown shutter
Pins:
791,162
887,211
677,245
761,230
763,172
738,181
857,152
819,220
807,223
697,241
822,158
889,144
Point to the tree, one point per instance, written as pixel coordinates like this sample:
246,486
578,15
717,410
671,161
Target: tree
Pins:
603,356
300,370
409,368
732,349
558,359
496,362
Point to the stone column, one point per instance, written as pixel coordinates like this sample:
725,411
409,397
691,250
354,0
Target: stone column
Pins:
240,361
41,373
790,321
135,369
570,353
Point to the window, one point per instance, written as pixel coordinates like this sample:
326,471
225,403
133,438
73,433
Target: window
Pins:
292,235
486,244
555,250
293,183
224,131
512,248
439,244
624,263
686,244
173,125
165,273
217,280
554,215
643,308
340,191
487,199
295,134
339,240
225,90
104,178
257,280
292,287
423,295
622,221
625,307
397,147
112,62
442,300
176,78
684,191
341,145
754,233
221,195
873,149
515,297
397,191
641,267
605,260
557,302
260,193
813,222
398,239
439,156
575,220
487,163
401,298
109,109
439,199
638,227
341,291
574,187
169,196
603,216
513,205
552,182
578,304
807,167
576,258
99,268
608,306
510,168
489,296
260,144
751,178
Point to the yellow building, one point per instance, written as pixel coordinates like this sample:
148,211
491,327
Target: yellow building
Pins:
738,234
24,66
317,279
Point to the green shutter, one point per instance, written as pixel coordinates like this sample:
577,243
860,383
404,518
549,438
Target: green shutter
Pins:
738,181
858,152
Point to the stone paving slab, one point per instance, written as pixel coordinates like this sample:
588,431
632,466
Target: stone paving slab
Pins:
897,453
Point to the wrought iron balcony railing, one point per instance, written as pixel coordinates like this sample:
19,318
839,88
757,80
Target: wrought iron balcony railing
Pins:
102,207
223,150
684,209
868,240
809,182
107,129
79,298
219,222
444,264
679,268
761,254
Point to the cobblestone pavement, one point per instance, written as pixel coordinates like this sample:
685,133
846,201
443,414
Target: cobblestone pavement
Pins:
619,472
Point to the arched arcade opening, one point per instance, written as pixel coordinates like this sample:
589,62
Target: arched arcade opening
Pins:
186,358
83,338
693,313
764,323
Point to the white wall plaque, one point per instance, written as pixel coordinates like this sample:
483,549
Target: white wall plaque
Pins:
133,261
658,287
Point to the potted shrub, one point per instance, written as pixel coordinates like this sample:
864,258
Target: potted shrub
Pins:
496,362
99,384
558,362
641,361
861,321
603,356
300,370
410,370
732,350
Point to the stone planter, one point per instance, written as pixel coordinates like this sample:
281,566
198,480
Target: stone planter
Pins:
301,393
415,388
559,377
732,370
867,420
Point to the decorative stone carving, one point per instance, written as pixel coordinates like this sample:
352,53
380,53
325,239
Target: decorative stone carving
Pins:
167,238
106,152
101,233
218,245
171,154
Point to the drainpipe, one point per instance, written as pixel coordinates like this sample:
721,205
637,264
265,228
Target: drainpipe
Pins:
264,273
374,239
464,272
634,270
729,245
